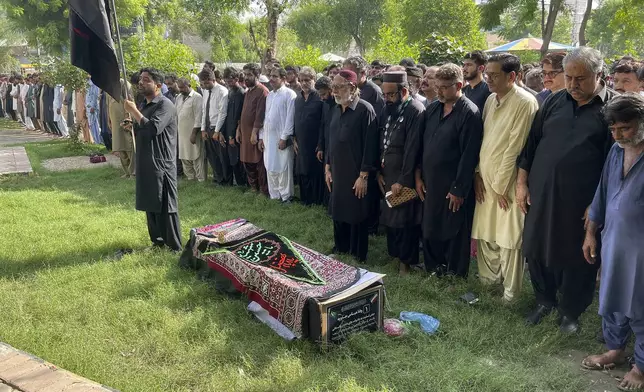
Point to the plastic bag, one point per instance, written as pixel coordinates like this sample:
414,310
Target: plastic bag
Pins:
428,323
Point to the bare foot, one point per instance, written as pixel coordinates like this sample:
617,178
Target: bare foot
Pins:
607,360
633,380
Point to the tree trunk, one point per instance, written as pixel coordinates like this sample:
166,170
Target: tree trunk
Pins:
543,17
359,44
272,15
251,30
555,5
584,23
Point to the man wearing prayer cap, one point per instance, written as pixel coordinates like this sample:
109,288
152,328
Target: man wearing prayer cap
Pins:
351,165
399,147
415,78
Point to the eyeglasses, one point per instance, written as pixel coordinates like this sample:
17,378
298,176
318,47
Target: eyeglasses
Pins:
391,95
551,74
493,75
445,87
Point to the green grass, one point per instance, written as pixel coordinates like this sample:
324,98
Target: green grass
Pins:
143,324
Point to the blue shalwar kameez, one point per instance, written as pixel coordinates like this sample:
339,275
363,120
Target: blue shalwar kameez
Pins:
619,206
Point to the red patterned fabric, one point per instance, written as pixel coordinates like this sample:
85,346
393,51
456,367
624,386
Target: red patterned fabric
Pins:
284,298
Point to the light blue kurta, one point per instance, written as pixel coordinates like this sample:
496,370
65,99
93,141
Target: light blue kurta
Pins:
619,206
92,102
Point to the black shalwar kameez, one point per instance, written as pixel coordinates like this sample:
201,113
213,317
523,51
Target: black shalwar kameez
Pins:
564,156
353,148
156,171
306,127
400,144
450,154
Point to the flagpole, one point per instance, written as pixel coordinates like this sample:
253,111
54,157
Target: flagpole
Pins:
121,61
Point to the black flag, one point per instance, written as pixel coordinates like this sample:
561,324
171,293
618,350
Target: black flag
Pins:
92,48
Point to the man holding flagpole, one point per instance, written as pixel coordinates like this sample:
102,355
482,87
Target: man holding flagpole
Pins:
155,130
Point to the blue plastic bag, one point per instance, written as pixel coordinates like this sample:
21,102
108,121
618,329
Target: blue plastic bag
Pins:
428,323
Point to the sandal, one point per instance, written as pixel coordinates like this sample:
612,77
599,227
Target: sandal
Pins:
587,365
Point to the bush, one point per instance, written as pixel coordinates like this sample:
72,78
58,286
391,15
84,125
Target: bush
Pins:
308,56
441,49
164,54
58,71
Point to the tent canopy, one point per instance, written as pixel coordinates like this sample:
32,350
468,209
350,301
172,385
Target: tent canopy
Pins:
529,43
331,57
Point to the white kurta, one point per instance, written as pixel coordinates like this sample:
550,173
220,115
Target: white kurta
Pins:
24,89
59,96
506,125
15,93
189,112
278,125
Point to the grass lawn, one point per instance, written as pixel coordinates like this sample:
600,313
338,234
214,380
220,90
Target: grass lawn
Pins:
143,324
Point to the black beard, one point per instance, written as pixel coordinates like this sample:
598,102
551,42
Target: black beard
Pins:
250,84
393,107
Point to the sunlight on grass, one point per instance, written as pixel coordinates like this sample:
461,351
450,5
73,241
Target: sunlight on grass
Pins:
143,324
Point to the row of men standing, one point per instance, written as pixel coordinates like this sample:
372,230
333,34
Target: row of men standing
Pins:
36,105
515,177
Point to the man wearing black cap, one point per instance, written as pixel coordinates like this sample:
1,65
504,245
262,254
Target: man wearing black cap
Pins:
415,78
400,144
351,165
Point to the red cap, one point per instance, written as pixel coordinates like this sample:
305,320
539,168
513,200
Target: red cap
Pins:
349,75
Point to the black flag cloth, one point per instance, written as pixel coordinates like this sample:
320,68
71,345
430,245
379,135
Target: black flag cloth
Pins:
92,48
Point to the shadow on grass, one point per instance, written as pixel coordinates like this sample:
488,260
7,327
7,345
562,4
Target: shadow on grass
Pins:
30,266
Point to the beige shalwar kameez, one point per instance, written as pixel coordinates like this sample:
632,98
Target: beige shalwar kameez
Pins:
499,233
121,138
189,112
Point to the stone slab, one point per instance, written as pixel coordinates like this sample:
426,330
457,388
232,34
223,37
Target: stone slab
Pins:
23,372
79,162
14,160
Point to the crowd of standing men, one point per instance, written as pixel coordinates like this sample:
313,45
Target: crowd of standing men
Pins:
512,160
543,164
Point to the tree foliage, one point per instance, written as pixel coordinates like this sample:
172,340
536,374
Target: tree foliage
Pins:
441,49
153,50
616,28
308,56
391,46
456,18
527,13
313,21
61,71
232,41
513,26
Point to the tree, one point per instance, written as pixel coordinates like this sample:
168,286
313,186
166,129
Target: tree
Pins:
492,10
153,50
616,28
441,49
458,18
392,46
514,27
314,24
308,56
45,23
584,22
231,41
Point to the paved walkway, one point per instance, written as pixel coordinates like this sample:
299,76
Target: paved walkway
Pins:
22,372
19,136
14,160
